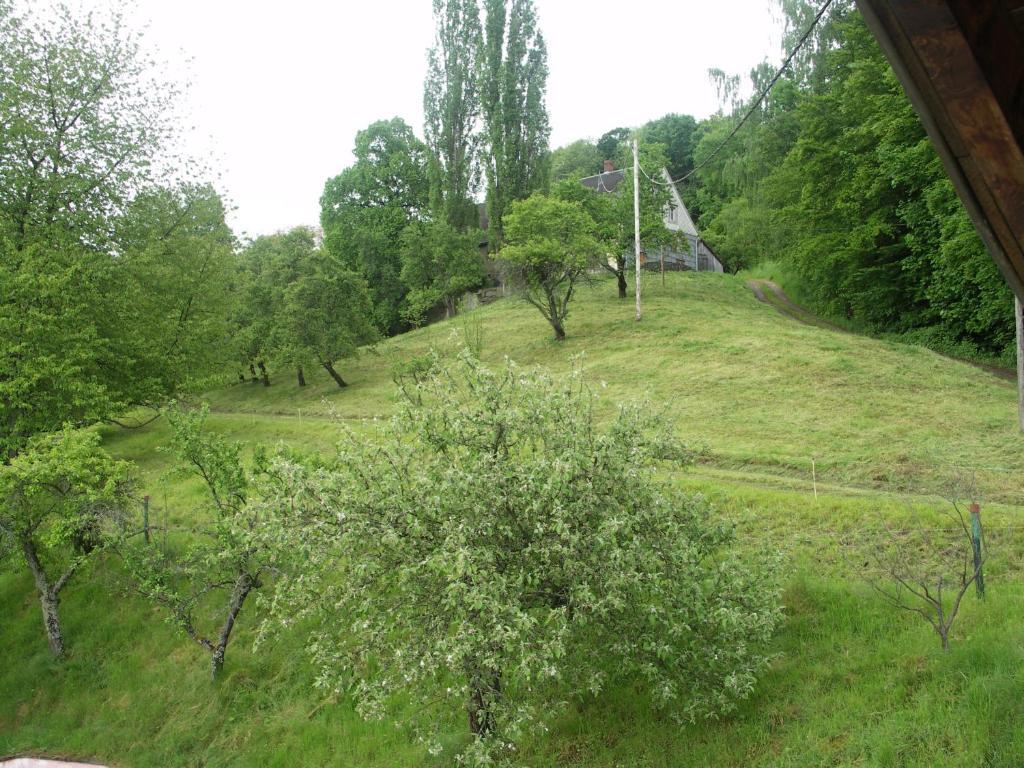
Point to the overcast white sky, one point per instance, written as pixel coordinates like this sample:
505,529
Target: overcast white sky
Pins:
279,89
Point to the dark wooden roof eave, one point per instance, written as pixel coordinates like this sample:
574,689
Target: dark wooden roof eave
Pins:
961,63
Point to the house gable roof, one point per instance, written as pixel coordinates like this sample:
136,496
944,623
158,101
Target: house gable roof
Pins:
676,217
604,182
684,221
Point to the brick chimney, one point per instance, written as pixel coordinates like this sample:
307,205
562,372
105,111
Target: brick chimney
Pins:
609,166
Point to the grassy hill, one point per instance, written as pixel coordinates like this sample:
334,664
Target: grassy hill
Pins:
857,682
762,393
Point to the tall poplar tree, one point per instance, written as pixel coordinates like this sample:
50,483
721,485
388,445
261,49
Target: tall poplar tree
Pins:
451,110
513,81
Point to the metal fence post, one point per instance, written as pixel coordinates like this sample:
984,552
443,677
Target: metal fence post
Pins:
979,582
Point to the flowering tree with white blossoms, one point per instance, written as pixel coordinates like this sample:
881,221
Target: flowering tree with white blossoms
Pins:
494,549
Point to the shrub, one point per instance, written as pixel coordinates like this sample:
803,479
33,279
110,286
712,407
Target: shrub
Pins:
495,550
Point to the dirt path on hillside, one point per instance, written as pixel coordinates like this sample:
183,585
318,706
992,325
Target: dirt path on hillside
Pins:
772,294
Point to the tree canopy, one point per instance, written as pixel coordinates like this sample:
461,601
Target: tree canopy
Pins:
676,134
495,551
451,109
576,161
835,180
513,91
99,252
439,265
550,244
326,315
61,499
364,209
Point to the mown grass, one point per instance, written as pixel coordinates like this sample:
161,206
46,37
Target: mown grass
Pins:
761,392
935,338
856,682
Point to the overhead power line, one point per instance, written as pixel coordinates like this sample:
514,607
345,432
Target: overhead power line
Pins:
753,108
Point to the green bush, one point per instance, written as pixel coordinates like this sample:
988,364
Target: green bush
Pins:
494,551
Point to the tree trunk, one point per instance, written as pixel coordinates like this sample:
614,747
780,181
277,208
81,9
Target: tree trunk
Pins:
243,586
555,317
485,688
252,370
48,599
621,277
217,661
51,622
449,307
302,377
329,367
263,372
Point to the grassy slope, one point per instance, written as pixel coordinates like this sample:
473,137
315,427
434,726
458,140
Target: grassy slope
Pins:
856,682
762,392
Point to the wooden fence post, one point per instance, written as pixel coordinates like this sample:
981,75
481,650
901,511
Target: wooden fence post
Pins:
979,581
814,478
1019,324
145,517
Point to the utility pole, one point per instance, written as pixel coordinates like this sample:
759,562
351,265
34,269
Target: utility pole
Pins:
1019,311
636,222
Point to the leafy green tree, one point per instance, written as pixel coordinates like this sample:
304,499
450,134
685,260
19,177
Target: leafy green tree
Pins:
71,152
56,366
83,160
550,244
513,85
611,142
226,551
451,109
180,270
326,315
494,551
576,161
604,209
614,216
834,176
271,264
60,499
83,121
439,264
675,133
364,209
745,233
254,314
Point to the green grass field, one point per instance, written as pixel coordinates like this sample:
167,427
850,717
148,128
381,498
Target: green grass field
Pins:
857,682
